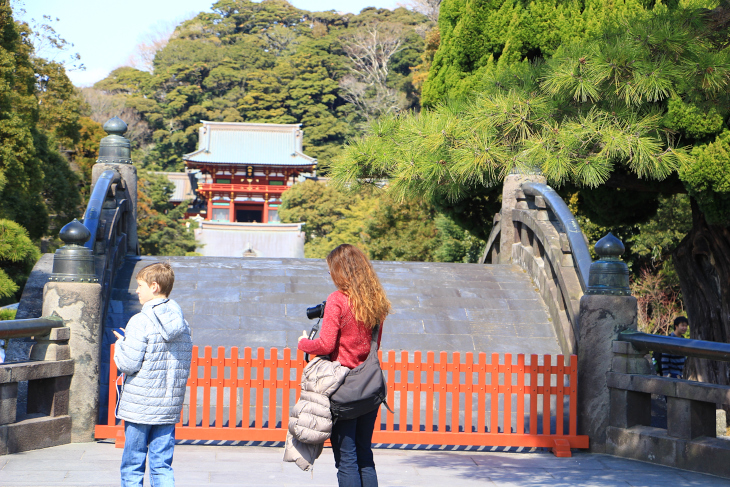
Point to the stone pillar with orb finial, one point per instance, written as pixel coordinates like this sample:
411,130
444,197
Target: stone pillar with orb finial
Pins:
606,309
73,294
115,153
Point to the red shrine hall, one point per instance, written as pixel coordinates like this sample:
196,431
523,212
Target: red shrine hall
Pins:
246,168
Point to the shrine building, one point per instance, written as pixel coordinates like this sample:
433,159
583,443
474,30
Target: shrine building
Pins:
246,167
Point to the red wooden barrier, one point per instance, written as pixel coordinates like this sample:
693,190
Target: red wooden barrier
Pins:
436,402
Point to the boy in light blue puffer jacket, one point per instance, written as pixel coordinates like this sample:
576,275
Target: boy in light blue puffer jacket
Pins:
154,354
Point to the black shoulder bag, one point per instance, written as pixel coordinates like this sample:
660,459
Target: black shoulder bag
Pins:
364,388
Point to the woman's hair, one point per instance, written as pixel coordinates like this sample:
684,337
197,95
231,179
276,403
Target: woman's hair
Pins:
353,274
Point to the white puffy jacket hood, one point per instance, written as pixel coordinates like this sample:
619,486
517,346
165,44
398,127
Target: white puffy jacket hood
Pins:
167,318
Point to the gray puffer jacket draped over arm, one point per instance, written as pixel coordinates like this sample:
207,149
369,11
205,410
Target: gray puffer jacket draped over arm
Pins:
155,356
310,421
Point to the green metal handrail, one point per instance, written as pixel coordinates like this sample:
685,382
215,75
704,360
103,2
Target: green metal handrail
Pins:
646,342
92,216
29,327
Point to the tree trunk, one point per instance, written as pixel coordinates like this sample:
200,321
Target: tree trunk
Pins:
702,261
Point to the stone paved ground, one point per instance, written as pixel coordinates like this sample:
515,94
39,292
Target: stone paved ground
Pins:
97,464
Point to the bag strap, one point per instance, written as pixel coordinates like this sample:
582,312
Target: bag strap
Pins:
376,332
374,340
374,348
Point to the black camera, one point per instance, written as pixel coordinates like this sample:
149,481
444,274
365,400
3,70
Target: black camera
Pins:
316,311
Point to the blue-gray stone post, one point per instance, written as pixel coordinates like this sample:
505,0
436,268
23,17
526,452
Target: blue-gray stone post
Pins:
74,294
115,153
606,309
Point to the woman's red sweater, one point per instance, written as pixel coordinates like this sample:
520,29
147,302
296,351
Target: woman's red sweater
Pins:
341,337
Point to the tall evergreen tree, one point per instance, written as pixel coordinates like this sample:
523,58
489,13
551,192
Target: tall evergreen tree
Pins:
261,62
636,111
39,110
21,170
18,254
478,35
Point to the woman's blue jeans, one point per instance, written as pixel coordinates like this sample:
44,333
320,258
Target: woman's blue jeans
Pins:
351,441
160,440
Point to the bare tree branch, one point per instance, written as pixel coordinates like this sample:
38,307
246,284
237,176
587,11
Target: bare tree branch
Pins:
370,50
105,106
429,8
47,43
153,41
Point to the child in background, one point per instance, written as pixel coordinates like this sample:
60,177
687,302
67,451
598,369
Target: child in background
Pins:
673,365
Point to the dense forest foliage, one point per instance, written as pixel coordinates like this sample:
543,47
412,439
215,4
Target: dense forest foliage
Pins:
623,106
477,38
43,137
271,62
382,227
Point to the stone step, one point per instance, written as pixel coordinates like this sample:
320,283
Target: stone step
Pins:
262,302
436,306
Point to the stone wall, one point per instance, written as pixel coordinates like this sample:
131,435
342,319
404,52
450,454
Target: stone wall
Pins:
45,420
528,234
690,439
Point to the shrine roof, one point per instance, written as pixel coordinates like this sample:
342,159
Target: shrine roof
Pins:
182,189
254,144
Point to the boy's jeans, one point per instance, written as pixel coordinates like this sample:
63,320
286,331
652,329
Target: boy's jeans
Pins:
161,441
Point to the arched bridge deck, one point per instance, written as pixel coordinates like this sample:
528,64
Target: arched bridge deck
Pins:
262,302
534,298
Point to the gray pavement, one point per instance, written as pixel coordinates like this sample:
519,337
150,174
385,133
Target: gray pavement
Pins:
97,464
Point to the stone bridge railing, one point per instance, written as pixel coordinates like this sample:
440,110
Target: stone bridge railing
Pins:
536,230
689,440
595,316
45,420
74,286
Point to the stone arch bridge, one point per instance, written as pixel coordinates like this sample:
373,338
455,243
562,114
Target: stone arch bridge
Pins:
535,291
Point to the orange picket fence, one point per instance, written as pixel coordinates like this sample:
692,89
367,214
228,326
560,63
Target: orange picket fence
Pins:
514,403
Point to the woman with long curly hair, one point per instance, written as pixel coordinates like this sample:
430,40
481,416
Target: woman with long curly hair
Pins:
350,315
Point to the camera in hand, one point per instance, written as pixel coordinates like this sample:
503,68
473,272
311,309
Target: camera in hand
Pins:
316,311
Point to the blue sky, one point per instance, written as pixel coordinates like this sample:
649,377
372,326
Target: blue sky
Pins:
105,33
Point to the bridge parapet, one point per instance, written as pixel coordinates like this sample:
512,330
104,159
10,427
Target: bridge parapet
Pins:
45,421
689,440
121,189
537,231
79,288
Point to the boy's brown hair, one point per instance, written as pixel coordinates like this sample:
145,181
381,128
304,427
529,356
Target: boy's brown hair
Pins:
159,272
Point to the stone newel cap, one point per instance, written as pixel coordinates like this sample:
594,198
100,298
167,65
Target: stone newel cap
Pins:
115,126
115,148
609,275
74,233
609,247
